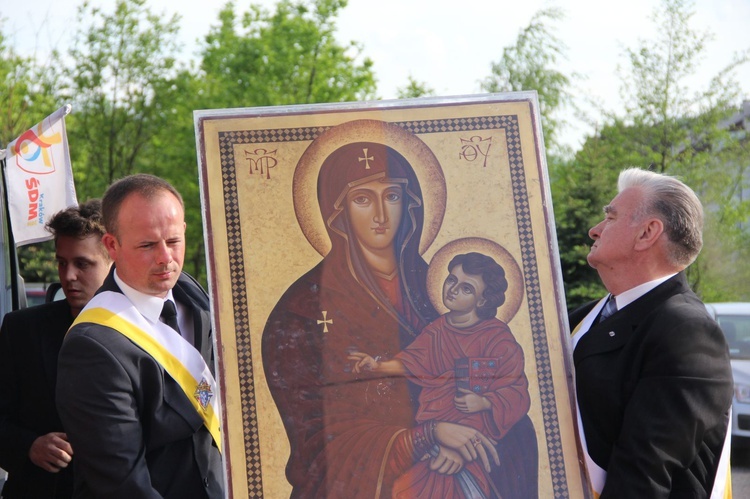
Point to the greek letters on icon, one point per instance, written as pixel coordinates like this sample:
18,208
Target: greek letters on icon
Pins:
475,148
262,161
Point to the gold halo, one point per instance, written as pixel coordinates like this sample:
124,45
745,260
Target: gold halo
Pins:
423,161
438,270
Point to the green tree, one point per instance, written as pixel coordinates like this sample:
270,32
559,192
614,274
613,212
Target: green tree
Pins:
27,93
37,262
673,130
581,187
683,133
123,60
27,96
532,64
290,56
415,89
133,106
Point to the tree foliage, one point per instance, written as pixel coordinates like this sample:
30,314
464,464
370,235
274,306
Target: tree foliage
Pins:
533,64
290,56
414,89
26,92
671,130
124,66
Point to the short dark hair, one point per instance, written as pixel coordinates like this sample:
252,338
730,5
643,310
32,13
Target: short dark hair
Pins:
82,220
143,184
493,275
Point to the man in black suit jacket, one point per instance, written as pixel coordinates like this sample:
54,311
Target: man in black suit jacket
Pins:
142,420
653,379
33,446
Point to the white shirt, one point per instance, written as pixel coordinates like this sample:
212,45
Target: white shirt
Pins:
150,306
622,300
627,297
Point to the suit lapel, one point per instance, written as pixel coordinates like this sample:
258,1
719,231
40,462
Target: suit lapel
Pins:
616,331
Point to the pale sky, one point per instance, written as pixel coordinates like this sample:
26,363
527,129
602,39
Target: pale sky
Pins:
447,44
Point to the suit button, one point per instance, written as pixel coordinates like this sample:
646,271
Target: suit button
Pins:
205,482
611,333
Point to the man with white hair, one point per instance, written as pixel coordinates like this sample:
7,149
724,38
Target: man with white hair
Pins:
653,378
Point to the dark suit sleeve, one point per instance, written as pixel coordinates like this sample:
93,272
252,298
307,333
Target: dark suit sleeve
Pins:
15,439
98,405
680,394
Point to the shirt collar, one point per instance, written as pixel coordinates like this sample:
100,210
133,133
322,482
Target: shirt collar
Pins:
627,297
147,305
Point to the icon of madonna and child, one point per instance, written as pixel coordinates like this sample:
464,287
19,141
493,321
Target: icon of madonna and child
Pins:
388,386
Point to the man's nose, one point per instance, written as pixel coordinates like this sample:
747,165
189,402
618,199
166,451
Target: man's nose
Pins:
69,273
163,254
595,231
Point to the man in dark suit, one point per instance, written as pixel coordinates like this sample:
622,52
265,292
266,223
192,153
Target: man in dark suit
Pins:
135,390
653,379
33,446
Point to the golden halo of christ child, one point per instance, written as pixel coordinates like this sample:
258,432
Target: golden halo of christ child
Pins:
492,399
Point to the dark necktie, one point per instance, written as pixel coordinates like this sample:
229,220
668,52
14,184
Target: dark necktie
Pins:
609,308
169,315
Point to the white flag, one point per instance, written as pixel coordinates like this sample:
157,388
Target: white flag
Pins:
39,178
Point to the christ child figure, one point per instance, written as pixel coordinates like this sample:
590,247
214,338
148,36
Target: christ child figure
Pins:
471,371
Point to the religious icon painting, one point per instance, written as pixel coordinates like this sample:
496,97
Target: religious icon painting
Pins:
388,302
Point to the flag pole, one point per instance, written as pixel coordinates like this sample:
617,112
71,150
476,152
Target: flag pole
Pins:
12,251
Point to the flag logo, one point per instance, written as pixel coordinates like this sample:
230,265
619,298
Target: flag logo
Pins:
39,178
33,150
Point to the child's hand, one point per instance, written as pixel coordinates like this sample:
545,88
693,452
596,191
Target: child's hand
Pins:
469,402
363,362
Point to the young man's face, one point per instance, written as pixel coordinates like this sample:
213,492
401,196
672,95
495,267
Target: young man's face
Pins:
463,292
82,265
150,245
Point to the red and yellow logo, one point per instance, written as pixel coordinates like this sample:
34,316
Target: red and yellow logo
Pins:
32,153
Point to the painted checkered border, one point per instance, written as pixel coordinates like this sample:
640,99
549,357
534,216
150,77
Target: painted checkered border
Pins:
227,141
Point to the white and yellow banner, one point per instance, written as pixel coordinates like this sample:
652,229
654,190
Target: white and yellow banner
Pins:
39,178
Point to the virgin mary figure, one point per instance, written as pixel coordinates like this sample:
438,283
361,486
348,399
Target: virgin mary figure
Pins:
349,436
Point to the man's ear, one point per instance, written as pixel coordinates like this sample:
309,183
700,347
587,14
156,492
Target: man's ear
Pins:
481,302
649,233
110,244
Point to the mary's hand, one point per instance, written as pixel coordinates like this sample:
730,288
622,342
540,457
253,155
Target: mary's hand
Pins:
447,462
470,443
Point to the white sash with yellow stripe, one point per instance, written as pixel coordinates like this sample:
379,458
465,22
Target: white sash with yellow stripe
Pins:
178,357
